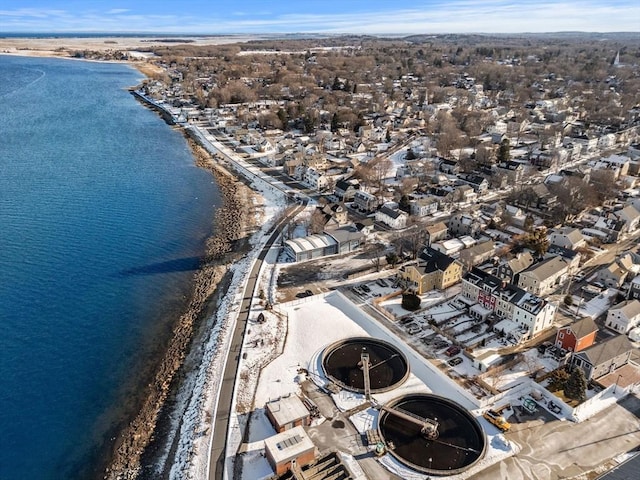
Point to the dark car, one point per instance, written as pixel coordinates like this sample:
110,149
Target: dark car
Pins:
455,361
452,350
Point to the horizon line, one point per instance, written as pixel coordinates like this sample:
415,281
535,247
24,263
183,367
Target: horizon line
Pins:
328,34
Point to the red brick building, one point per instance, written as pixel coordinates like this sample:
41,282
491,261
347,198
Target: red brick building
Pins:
287,412
287,447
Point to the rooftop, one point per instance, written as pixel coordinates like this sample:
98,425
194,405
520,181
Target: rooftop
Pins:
288,445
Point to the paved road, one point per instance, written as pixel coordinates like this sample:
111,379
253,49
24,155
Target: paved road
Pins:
221,421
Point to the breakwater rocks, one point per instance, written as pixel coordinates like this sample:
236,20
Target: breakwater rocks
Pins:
233,222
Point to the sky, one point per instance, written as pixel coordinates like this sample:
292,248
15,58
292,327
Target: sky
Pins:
326,16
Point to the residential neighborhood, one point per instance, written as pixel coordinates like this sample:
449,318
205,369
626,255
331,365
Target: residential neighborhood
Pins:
481,221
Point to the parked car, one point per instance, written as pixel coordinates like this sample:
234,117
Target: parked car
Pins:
578,277
542,348
455,361
592,289
365,288
530,405
553,407
452,350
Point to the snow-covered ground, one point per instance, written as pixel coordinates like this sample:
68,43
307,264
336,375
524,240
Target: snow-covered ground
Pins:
315,322
202,388
596,306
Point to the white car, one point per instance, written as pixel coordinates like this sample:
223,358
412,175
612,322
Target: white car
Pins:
578,277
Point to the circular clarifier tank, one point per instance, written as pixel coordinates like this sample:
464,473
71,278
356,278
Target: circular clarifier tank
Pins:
431,434
342,363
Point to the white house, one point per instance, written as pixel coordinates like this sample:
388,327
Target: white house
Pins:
422,207
544,276
316,179
624,316
394,218
567,237
365,201
524,314
631,218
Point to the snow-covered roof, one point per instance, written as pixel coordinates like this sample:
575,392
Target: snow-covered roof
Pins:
287,409
288,445
312,242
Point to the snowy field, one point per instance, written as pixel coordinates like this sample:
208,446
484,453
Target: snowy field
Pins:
314,323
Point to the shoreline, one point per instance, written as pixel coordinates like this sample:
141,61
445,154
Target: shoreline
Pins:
227,244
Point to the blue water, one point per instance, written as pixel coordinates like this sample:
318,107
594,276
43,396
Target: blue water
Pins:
103,216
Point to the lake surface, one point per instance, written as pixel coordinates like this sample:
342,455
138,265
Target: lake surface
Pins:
103,219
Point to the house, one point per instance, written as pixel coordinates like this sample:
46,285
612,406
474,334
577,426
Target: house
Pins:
449,166
289,447
394,218
364,201
449,247
539,197
577,336
365,226
604,357
421,207
567,237
543,277
437,231
634,288
512,171
523,314
612,276
477,182
346,189
613,228
463,224
286,413
477,254
335,213
507,270
624,316
631,218
570,256
465,194
431,271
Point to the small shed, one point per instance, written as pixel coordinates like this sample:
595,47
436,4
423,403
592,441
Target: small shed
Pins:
486,360
287,447
287,412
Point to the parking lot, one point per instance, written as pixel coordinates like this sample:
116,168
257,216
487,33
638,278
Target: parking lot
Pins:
553,449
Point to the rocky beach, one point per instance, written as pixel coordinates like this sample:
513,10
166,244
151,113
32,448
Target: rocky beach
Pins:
234,222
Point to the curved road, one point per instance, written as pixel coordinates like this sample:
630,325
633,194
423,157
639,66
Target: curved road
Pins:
221,421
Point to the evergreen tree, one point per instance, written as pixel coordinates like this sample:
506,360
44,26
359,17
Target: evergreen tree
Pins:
388,136
334,123
537,241
558,379
504,152
392,259
404,204
284,119
410,301
576,387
